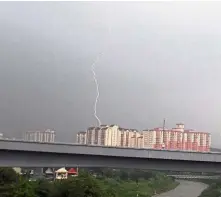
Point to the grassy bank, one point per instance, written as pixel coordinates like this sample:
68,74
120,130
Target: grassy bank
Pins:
213,189
145,188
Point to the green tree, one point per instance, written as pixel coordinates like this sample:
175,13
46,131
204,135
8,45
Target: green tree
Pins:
6,190
60,188
84,185
43,188
8,176
214,189
108,172
124,175
8,179
89,185
24,188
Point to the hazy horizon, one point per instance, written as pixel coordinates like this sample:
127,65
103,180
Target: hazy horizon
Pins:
159,60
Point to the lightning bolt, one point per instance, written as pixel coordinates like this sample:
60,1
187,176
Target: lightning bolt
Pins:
96,81
97,89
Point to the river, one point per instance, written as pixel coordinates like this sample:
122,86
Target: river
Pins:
185,189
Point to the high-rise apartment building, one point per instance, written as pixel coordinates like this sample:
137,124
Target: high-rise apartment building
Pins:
81,137
104,135
125,137
111,135
40,136
177,139
149,139
153,138
158,138
139,140
196,141
135,139
128,137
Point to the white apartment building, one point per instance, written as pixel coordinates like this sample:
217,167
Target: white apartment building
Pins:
96,135
130,138
140,141
104,135
90,135
124,137
112,135
149,138
133,137
40,136
81,137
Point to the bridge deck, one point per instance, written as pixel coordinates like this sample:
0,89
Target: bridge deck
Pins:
62,148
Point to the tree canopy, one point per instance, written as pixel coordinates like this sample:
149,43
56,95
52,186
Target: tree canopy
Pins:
109,183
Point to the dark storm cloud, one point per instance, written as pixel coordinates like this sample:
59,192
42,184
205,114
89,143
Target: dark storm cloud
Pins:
160,60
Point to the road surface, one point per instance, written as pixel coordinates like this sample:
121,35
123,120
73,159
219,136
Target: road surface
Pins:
185,189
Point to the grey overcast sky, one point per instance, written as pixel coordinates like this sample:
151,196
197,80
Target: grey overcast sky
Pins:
159,60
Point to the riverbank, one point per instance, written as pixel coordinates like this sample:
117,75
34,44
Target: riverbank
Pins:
185,188
213,189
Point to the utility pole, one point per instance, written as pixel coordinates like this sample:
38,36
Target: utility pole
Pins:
164,122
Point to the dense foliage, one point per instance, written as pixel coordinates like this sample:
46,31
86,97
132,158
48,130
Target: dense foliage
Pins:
107,183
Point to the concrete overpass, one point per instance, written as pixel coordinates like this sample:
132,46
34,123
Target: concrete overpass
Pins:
29,154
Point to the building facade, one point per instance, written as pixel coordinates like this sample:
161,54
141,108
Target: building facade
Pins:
104,135
40,136
158,138
177,139
112,135
81,137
